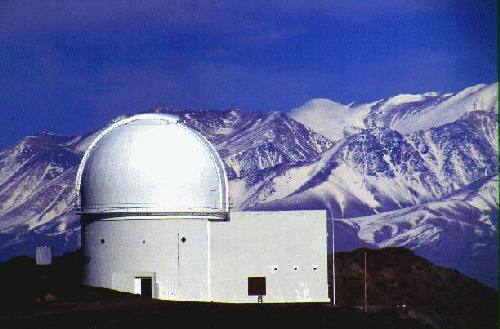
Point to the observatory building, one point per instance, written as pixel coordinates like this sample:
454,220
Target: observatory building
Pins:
153,199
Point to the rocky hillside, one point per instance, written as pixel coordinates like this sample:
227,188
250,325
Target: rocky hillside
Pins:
404,291
397,278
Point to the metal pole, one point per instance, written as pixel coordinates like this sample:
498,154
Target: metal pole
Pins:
334,284
366,288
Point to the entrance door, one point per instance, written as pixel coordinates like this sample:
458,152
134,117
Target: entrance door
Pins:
144,286
147,287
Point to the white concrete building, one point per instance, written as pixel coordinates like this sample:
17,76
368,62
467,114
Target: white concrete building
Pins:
156,221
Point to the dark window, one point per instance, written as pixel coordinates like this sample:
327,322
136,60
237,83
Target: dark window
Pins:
183,239
257,286
102,241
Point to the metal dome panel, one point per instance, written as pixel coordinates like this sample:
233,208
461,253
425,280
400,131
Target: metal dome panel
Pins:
151,163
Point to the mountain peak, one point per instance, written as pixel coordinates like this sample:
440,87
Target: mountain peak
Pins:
405,98
431,94
323,103
329,118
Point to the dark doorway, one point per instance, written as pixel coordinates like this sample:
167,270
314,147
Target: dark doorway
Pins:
147,287
257,286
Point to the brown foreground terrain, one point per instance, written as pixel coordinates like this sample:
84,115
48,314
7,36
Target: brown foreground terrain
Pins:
404,291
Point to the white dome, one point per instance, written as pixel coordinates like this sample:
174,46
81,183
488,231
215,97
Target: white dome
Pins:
151,163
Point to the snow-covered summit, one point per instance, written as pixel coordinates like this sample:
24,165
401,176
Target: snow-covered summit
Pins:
408,98
406,113
330,118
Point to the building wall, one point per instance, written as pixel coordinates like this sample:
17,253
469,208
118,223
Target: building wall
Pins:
288,248
216,258
149,247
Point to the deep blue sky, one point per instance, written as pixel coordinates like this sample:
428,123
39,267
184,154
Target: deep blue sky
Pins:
70,66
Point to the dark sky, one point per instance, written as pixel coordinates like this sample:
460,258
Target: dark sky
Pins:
70,66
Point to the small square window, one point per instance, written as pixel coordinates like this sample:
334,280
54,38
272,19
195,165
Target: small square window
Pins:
256,286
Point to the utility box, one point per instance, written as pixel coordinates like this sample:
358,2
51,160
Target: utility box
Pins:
43,255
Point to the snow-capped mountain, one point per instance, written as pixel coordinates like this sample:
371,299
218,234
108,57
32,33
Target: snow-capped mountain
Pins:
251,142
419,171
459,231
37,194
404,113
380,170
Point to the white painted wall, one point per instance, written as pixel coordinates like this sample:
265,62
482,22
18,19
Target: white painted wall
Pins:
137,286
216,259
254,243
179,270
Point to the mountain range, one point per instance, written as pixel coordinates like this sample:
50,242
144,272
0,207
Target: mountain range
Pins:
415,171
